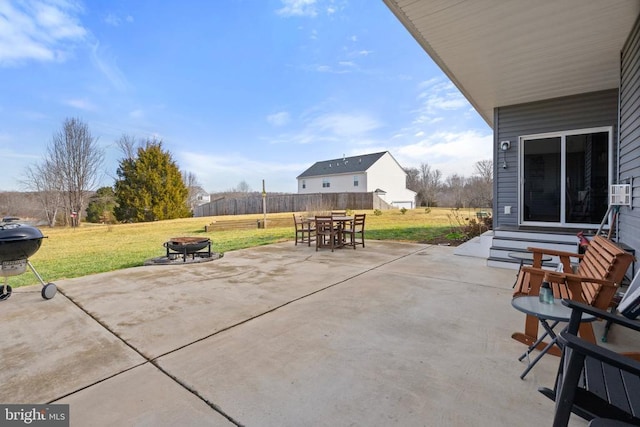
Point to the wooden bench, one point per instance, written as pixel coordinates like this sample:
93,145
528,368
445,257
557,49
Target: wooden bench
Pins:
600,271
594,382
279,222
247,224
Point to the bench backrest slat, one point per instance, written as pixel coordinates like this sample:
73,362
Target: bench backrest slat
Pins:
603,260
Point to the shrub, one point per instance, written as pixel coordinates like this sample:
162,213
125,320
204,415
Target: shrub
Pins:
403,211
377,212
468,227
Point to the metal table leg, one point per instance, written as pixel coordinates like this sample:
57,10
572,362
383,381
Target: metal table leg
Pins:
554,340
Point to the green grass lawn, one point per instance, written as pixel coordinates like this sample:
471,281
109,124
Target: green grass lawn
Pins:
92,248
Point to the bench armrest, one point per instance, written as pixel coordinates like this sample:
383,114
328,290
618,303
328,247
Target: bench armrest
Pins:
600,353
561,276
579,308
574,352
578,278
558,253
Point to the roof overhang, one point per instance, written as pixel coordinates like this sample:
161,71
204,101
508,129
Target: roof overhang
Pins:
502,53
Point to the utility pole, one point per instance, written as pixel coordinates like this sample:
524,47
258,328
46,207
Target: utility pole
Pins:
264,205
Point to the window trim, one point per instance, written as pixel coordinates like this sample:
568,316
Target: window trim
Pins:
563,134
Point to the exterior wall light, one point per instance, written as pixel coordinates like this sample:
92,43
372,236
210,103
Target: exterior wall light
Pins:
504,146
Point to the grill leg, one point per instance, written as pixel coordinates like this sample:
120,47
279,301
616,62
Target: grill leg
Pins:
5,291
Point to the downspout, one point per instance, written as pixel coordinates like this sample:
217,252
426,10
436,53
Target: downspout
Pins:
617,144
496,212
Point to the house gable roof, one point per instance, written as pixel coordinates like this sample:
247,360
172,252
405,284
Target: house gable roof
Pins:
344,165
501,53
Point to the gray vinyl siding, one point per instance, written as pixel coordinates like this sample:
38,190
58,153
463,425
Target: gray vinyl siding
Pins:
629,224
589,110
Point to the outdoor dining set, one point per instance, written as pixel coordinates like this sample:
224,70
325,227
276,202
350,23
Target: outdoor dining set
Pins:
331,231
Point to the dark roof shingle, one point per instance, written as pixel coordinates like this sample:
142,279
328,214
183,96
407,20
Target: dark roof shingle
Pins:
344,165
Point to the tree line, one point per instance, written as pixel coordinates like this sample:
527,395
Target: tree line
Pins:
455,190
149,186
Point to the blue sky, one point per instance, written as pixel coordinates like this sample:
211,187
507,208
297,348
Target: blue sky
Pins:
237,90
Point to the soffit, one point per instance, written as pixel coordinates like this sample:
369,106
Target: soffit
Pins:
502,53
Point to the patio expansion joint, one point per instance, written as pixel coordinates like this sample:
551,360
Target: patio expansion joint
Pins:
152,361
155,360
276,308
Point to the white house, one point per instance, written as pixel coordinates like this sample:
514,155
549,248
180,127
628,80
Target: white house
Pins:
198,196
367,173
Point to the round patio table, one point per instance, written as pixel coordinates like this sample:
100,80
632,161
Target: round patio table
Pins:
556,312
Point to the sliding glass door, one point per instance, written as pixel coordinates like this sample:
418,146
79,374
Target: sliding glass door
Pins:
564,177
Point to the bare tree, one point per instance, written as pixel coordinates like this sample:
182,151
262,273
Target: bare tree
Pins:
484,169
128,146
430,183
242,187
75,158
413,179
45,181
482,184
455,190
193,186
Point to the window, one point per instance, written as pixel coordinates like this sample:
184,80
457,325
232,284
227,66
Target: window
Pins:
565,177
326,183
304,184
355,181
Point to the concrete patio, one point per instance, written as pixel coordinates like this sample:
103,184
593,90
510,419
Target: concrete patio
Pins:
280,335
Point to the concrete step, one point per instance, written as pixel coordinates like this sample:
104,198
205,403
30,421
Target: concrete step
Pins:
536,236
514,241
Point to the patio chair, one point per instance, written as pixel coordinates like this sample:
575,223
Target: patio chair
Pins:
305,230
595,282
327,233
594,382
355,229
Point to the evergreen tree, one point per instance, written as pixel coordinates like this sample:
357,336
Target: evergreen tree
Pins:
150,187
101,206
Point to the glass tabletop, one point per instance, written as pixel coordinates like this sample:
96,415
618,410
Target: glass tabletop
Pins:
556,311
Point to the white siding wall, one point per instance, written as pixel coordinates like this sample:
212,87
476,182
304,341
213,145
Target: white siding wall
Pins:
339,184
386,174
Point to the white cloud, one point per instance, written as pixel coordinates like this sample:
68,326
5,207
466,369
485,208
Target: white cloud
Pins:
279,119
298,8
323,127
81,104
136,114
38,30
342,67
345,125
117,20
450,152
225,170
309,8
108,67
438,96
347,63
